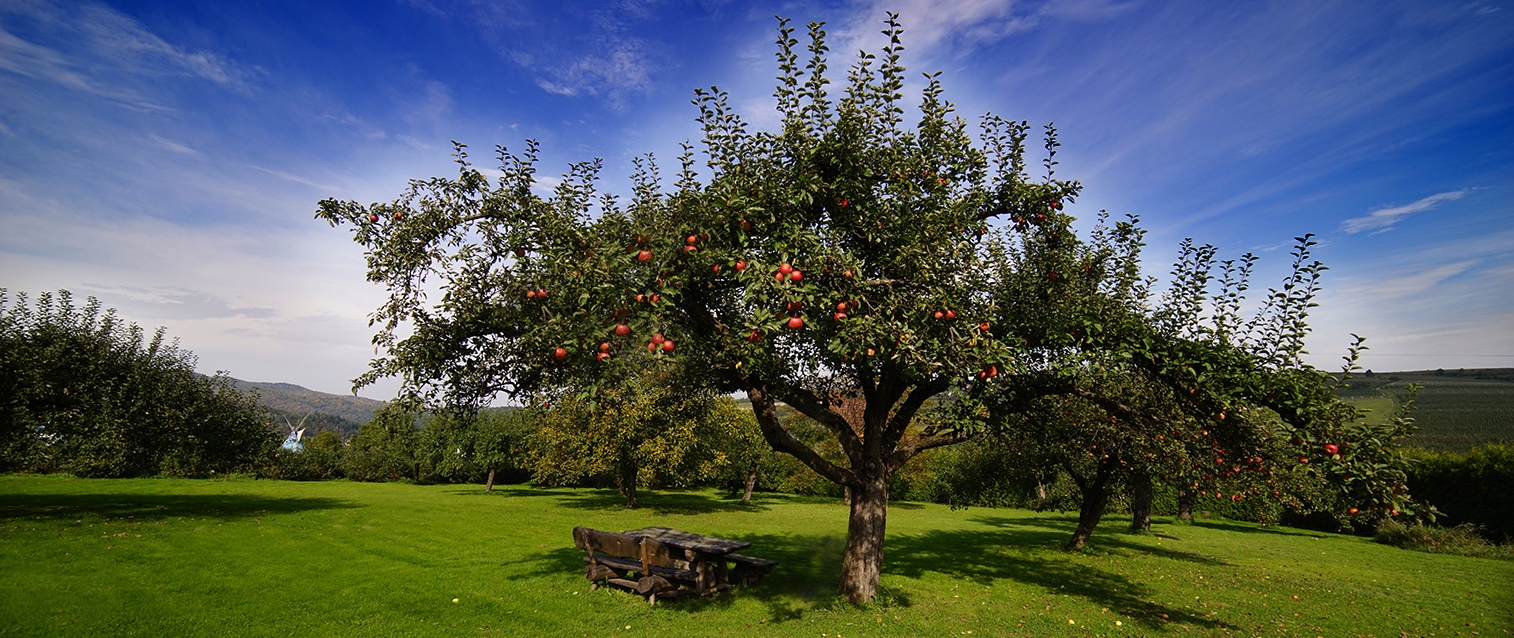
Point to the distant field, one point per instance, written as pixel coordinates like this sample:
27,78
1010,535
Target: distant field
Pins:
1457,411
169,557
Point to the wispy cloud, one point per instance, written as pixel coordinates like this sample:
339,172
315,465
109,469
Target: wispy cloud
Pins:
176,147
170,302
1383,219
97,50
961,24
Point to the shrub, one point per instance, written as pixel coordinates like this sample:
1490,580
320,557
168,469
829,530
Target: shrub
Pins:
1465,539
83,392
1474,488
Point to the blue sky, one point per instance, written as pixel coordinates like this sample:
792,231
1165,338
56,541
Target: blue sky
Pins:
167,157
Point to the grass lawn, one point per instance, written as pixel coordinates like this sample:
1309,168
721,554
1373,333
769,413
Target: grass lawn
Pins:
162,557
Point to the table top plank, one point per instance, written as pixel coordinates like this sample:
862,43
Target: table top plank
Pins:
689,540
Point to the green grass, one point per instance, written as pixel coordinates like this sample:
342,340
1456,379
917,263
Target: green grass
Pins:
161,557
1455,413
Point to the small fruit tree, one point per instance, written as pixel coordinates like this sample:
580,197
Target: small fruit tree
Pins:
1187,390
843,256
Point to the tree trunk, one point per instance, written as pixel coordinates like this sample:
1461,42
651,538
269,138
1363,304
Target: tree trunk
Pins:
1140,504
489,484
751,483
625,479
1185,504
1095,497
863,561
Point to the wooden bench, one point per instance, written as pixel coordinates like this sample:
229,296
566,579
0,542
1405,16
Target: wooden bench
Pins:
614,558
749,569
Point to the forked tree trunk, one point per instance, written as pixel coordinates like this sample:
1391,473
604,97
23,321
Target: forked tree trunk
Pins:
1185,504
751,483
1140,503
1095,496
863,561
489,484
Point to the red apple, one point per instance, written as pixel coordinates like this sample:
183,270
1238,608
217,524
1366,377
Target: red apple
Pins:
640,297
1352,511
398,214
746,225
667,346
603,356
840,315
754,337
938,314
983,326
373,218
656,298
740,265
951,314
841,306
796,276
604,346
520,252
785,269
657,338
541,292
796,323
651,347
560,352
530,294
847,274
692,239
844,202
645,255
1330,448
715,268
689,249
622,329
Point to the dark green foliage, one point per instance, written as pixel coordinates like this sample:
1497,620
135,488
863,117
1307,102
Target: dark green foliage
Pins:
1474,488
83,392
386,448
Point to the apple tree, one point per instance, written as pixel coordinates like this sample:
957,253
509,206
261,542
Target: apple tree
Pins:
844,255
1185,390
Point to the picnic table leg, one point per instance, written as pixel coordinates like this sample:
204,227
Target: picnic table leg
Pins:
702,568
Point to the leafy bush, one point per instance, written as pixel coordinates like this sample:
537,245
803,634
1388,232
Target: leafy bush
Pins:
1465,539
83,392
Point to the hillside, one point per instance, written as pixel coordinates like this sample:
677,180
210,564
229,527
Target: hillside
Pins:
1458,409
322,411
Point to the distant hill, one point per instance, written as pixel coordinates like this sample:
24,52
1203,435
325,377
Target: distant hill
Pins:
322,411
1458,409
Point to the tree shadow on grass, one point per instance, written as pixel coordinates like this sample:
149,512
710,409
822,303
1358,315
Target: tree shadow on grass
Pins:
659,502
1052,533
157,506
1229,526
1033,558
810,565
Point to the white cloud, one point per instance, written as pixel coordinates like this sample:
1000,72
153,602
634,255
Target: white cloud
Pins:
1383,219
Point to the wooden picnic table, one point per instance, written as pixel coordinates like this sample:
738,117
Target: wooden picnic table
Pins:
706,555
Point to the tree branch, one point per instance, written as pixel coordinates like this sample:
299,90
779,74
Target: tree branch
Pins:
782,441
